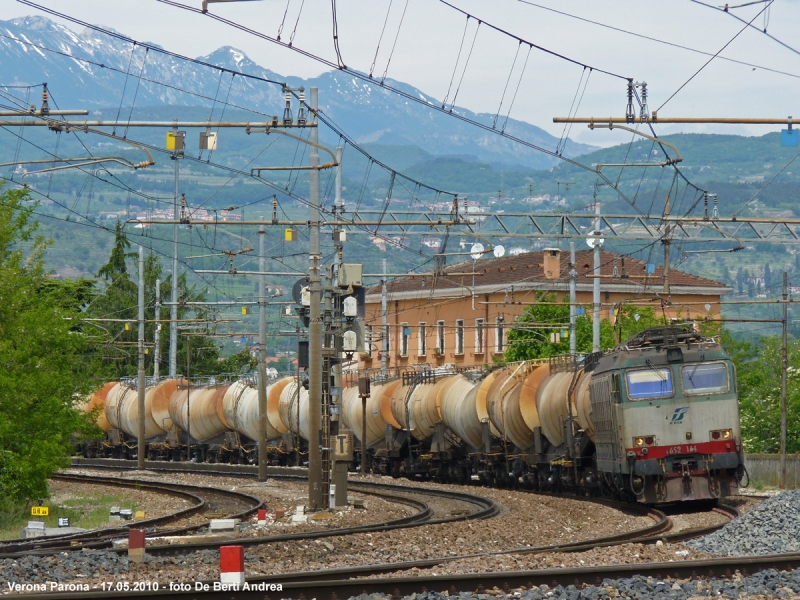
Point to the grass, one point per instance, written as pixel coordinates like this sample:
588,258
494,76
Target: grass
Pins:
88,511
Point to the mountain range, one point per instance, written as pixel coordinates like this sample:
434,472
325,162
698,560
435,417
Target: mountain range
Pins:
90,69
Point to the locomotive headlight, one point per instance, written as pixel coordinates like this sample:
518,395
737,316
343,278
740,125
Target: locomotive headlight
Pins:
644,440
722,434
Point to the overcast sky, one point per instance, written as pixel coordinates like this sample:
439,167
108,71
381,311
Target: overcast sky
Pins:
428,43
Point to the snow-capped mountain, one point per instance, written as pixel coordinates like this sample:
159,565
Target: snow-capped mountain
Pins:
88,70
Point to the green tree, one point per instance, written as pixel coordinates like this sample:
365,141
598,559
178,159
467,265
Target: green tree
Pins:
531,335
236,362
633,319
46,367
119,301
758,371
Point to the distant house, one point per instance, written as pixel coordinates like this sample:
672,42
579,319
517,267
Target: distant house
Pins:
466,318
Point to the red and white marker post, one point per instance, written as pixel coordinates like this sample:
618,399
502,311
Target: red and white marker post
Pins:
231,565
262,516
136,545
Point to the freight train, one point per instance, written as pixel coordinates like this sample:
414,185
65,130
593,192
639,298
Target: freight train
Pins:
655,420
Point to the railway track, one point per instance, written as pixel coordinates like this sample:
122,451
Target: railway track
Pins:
341,583
234,505
482,508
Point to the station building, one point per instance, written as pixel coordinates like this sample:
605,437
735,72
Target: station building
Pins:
463,314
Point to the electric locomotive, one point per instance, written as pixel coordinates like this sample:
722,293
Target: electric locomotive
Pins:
666,417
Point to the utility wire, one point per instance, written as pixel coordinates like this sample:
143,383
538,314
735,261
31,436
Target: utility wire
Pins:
765,10
728,43
659,41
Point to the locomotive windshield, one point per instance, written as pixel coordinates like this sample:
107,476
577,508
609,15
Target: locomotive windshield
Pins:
705,378
649,383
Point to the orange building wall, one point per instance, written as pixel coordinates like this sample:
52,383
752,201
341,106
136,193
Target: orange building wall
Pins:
489,307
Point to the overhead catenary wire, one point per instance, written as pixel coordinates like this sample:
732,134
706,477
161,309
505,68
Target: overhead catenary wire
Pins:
224,104
380,39
407,95
657,40
125,85
516,90
464,70
394,44
728,43
355,73
505,87
749,24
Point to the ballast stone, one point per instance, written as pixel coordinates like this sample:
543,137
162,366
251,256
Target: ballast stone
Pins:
771,527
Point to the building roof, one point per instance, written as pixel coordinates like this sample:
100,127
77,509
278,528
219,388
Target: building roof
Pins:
528,268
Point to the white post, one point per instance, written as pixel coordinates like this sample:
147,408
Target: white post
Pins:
572,312
173,309
157,335
596,289
141,382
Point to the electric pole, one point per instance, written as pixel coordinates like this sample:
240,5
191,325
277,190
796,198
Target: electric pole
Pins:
667,248
785,366
339,467
262,360
572,313
315,324
157,334
173,310
384,323
141,383
596,284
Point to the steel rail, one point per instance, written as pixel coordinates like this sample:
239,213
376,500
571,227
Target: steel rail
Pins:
473,582
101,538
423,516
320,583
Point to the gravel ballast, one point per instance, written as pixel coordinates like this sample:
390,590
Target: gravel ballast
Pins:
766,584
771,527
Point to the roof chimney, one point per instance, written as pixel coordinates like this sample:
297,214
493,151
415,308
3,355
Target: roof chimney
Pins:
552,263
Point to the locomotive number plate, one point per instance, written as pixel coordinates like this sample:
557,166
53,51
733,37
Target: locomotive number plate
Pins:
688,449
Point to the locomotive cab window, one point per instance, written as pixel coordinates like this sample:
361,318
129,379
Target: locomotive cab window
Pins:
644,384
705,378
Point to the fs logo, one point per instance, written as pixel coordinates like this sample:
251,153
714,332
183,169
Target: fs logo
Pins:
677,416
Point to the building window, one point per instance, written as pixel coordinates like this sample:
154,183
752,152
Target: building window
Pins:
478,336
499,335
405,333
440,336
459,336
422,342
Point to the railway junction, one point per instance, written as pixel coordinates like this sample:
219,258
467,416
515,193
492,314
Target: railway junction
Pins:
412,539
464,469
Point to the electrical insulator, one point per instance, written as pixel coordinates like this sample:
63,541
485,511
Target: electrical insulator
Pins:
287,112
629,114
643,115
301,112
183,218
45,97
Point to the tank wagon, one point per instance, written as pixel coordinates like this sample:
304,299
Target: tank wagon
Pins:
207,421
654,420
